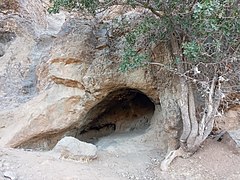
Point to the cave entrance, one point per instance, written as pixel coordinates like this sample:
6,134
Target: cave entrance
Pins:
122,111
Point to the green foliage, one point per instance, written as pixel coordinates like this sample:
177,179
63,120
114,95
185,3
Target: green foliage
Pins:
191,50
131,3
136,52
218,20
132,59
89,5
206,30
68,4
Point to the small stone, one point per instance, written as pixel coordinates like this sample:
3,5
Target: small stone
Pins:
9,174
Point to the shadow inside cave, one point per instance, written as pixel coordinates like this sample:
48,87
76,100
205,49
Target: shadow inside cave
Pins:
121,111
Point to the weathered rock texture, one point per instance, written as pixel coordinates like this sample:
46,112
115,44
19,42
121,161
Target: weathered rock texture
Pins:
72,148
232,138
26,36
229,125
230,121
60,76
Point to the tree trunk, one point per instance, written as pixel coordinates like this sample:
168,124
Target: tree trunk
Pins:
195,131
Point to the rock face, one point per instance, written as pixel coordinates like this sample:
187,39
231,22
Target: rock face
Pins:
72,148
26,37
230,124
60,79
230,121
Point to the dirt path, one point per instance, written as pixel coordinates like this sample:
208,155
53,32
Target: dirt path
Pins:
123,158
215,160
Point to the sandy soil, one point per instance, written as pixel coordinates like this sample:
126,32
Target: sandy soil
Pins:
215,160
122,157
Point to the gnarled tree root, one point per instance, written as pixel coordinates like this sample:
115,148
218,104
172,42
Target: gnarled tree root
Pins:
170,157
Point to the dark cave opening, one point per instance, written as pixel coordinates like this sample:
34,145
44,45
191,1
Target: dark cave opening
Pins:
121,111
124,111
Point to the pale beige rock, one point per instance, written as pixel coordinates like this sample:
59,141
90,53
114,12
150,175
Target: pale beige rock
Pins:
229,121
26,33
232,138
65,75
10,175
72,148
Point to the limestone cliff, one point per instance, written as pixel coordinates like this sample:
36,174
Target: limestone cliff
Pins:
60,72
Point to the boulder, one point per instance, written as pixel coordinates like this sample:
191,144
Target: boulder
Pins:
228,125
72,148
232,138
10,175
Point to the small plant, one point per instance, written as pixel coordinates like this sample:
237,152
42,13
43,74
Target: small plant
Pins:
89,5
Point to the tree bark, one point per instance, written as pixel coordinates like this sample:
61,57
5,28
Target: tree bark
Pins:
194,131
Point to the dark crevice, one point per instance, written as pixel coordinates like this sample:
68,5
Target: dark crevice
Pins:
124,110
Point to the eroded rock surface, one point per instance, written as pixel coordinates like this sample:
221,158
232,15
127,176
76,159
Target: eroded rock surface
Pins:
67,65
232,138
26,34
72,148
229,125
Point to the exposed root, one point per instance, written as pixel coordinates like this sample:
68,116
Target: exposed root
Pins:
170,157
